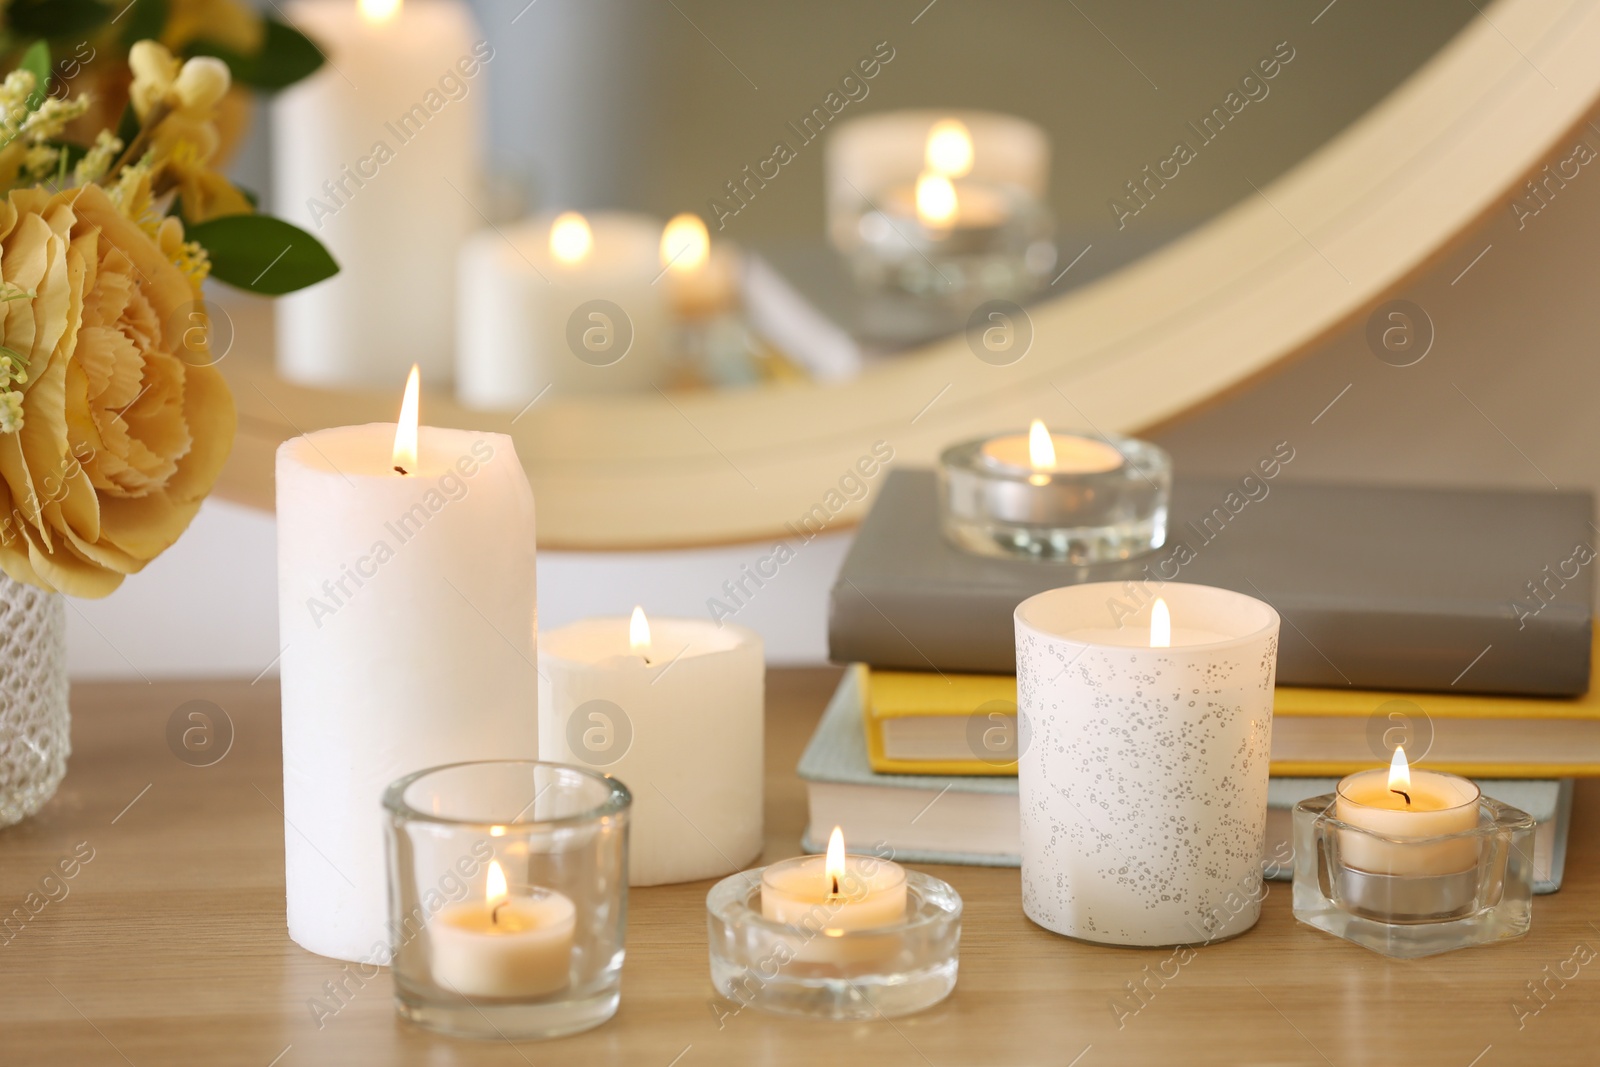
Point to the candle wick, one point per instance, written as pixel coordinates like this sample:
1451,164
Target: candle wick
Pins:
494,913
835,885
400,470
1403,793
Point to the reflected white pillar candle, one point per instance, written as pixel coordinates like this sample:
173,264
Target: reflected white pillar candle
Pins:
378,155
678,720
407,616
1143,769
571,302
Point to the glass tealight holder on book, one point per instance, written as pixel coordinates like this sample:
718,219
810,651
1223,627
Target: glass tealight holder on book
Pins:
1059,498
508,895
1405,896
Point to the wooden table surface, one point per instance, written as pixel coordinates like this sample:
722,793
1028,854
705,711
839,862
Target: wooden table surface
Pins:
168,946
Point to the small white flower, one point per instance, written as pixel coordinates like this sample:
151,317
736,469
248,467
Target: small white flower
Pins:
202,82
10,412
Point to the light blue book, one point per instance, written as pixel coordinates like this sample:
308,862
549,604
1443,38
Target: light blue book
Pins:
974,821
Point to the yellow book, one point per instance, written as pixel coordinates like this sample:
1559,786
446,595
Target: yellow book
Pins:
966,724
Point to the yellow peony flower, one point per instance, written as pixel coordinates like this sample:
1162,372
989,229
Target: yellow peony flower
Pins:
121,438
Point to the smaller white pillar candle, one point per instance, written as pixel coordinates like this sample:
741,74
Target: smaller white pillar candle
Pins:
569,302
673,709
1402,803
504,945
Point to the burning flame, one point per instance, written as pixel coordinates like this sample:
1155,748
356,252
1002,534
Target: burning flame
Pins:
1041,449
1160,625
378,12
405,432
833,866
1400,773
496,891
570,238
639,634
685,244
949,150
936,200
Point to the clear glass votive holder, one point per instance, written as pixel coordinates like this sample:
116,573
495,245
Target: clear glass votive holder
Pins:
1406,916
809,969
1077,513
508,896
980,231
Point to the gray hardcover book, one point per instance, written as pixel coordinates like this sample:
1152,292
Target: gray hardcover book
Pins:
1379,587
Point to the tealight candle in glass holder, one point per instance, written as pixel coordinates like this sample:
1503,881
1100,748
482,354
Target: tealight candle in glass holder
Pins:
834,937
1063,498
507,897
1411,863
946,206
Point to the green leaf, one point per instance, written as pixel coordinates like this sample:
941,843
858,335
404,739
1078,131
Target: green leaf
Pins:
286,55
128,125
57,18
261,254
36,60
145,21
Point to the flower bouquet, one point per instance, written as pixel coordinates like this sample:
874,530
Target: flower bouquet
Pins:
114,421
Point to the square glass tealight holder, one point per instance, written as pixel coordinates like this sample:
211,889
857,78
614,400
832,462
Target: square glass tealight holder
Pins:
508,893
1104,498
808,969
1406,916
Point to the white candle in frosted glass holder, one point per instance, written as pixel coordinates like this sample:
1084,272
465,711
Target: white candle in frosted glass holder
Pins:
1147,719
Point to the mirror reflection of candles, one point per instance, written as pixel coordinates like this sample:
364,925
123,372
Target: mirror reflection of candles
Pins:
570,238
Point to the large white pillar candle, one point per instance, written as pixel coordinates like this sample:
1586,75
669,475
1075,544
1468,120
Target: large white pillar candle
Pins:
1146,725
569,301
406,615
378,155
672,708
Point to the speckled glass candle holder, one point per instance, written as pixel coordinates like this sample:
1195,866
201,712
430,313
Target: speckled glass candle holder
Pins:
1144,775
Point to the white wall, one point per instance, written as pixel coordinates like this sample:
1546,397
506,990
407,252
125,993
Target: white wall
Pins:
209,606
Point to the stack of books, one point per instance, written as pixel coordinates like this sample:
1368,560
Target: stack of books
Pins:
1454,621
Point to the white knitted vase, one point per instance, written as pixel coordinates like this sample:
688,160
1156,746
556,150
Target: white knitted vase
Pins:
34,736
